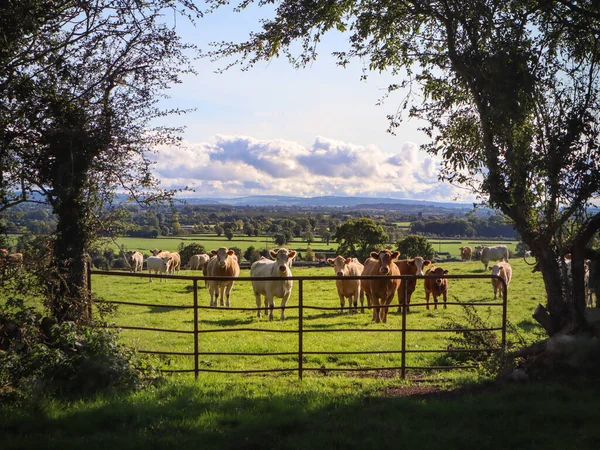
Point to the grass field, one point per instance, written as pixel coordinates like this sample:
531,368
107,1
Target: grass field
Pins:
525,292
325,410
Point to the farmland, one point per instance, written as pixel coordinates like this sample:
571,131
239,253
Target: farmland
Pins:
165,299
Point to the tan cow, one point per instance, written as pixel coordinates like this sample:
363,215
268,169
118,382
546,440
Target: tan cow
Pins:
382,291
466,253
176,262
267,268
436,286
409,267
197,262
496,253
350,289
3,253
15,260
504,271
223,263
135,261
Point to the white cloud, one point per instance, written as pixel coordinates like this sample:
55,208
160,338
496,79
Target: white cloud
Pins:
229,166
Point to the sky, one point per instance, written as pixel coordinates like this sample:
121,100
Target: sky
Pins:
276,130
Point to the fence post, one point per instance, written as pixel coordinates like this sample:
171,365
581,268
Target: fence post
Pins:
89,287
504,313
300,326
403,333
196,328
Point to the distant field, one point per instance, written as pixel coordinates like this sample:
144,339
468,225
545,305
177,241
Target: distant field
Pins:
209,241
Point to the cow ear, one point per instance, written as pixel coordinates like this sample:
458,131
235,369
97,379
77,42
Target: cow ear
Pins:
292,254
375,255
445,272
395,255
490,268
273,254
348,260
231,252
213,252
330,261
426,262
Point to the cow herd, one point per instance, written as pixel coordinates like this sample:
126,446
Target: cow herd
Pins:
379,288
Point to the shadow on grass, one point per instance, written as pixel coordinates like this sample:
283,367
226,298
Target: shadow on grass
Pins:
257,415
224,322
162,309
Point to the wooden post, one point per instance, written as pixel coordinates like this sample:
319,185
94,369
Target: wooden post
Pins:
196,328
403,334
300,325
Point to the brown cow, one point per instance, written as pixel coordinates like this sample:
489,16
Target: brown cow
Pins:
466,253
504,271
15,260
381,291
409,267
436,286
224,263
349,289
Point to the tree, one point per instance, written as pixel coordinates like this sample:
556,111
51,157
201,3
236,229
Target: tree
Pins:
79,84
308,237
219,230
280,239
359,237
414,245
228,233
510,94
326,236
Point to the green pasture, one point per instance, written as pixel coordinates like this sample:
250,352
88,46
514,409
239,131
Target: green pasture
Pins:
328,412
165,298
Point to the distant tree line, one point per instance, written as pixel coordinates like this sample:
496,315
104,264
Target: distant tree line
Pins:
491,227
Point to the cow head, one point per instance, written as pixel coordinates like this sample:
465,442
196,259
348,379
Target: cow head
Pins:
438,272
339,264
419,263
222,254
496,269
283,258
166,262
386,259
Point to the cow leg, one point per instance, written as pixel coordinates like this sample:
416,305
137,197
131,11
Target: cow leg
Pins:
408,297
211,290
221,292
427,299
228,289
257,297
354,299
362,301
375,304
342,302
269,299
284,300
445,294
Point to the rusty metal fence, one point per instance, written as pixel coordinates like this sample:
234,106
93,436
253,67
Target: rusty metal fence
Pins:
301,331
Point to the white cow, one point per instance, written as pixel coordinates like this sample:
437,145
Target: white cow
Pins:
273,288
158,265
198,262
504,271
224,263
497,253
350,289
135,261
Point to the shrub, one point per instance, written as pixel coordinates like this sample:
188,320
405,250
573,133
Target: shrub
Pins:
251,254
414,245
40,357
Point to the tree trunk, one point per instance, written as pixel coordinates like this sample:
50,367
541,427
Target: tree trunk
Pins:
70,297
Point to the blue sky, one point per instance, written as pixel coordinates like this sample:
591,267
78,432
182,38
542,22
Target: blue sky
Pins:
277,130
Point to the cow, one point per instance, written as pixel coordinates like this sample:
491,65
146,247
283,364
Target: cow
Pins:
465,253
198,262
365,285
160,253
350,289
436,286
382,291
135,261
158,265
280,267
3,253
497,253
477,252
412,266
176,263
504,271
223,263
